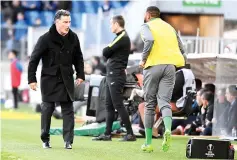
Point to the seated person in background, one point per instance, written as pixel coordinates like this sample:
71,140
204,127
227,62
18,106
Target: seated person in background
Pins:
183,126
208,105
231,96
221,102
88,68
184,81
221,109
204,119
98,67
195,106
31,5
210,87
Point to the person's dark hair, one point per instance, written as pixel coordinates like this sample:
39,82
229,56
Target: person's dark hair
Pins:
154,11
210,87
97,58
233,90
209,96
61,13
202,90
120,20
198,84
14,52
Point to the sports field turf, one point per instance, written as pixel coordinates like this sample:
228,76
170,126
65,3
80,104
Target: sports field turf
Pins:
20,140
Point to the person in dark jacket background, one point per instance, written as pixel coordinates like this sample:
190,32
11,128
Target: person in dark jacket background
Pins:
208,106
98,67
231,96
190,129
16,71
117,58
221,110
58,49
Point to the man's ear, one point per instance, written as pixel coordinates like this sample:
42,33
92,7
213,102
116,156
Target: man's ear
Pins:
56,21
117,25
149,16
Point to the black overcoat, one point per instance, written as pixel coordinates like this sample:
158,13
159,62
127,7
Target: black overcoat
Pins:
58,55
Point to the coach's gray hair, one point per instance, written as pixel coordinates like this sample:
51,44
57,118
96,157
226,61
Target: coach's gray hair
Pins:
61,13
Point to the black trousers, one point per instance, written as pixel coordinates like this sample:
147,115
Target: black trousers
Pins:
15,96
114,100
68,120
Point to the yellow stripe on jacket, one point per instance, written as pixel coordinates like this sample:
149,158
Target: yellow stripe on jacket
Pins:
117,39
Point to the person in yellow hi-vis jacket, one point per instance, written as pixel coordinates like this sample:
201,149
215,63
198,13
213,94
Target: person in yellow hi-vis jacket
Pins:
116,54
162,54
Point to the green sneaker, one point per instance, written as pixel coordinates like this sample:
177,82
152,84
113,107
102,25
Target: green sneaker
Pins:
147,148
166,141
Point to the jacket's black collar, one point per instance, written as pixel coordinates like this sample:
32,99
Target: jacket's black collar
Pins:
56,37
119,32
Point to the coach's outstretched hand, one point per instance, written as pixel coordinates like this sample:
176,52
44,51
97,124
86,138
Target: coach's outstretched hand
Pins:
33,86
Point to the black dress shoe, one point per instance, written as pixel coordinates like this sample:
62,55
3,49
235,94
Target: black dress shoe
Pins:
103,137
46,145
68,145
128,137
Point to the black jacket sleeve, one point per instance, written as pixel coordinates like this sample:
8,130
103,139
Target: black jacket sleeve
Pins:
108,51
40,48
78,61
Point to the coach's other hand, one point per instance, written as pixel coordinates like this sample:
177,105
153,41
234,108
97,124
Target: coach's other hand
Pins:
33,86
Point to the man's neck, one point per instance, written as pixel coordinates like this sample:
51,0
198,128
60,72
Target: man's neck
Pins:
119,30
62,34
153,18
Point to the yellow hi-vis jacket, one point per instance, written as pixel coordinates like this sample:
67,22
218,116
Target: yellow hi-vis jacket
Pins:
165,49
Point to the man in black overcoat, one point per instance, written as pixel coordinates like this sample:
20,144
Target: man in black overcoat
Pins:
58,49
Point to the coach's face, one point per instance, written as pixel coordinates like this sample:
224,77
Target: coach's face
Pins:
63,24
113,26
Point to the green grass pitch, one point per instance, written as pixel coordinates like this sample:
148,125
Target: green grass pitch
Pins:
20,140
